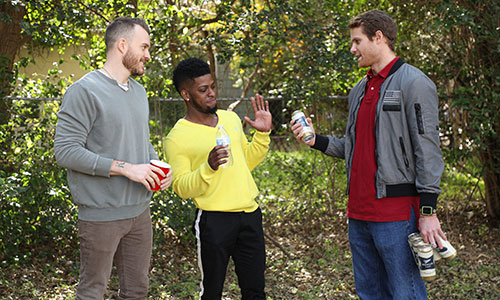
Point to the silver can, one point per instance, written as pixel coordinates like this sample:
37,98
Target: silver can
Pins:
447,252
414,237
299,116
425,262
424,256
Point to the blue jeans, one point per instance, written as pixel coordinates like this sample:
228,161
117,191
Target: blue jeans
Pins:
384,267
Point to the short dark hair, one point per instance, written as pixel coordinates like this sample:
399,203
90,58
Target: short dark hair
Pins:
188,70
374,20
122,27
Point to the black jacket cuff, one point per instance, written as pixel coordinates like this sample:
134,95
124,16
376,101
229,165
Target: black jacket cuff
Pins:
428,199
321,143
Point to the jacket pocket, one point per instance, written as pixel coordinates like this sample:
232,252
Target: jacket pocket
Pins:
392,101
403,150
418,117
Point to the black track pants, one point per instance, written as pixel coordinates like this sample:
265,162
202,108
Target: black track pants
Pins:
239,235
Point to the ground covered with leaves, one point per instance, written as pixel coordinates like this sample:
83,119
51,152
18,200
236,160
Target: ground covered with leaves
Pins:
304,261
308,253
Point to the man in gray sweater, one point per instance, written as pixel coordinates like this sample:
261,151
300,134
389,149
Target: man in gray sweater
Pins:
102,138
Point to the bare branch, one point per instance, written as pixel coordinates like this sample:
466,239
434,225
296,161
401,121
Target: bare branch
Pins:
211,57
95,12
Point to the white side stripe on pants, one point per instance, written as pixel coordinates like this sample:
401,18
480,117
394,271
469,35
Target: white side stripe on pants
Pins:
198,240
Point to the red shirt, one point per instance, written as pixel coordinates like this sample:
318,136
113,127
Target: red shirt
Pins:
363,204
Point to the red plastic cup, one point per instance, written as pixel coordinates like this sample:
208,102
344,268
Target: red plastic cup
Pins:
164,167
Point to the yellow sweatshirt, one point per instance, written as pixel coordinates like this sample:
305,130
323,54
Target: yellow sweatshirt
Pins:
227,189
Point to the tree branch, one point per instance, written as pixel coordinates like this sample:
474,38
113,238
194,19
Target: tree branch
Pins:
244,93
95,12
211,58
277,244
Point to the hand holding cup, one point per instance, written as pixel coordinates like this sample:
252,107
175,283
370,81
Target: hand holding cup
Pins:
165,168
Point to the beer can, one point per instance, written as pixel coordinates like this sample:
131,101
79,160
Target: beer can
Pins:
414,237
425,257
447,252
415,240
299,116
437,255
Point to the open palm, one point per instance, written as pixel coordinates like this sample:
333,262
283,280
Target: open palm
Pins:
263,118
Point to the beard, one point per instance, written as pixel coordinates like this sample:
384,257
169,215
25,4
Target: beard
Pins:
207,110
133,64
212,110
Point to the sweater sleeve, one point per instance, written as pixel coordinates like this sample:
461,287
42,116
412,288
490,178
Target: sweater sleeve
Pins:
187,182
75,120
152,152
256,150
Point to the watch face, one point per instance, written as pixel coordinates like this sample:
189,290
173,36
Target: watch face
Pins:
426,210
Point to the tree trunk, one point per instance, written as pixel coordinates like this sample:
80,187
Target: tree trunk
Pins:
11,40
490,159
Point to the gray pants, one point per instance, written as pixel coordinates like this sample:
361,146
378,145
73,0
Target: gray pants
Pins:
129,243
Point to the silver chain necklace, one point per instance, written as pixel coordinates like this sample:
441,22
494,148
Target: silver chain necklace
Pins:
124,86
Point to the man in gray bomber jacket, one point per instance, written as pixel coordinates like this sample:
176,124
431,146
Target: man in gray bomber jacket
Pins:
393,163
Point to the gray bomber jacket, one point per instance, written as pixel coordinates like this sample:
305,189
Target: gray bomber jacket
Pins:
408,156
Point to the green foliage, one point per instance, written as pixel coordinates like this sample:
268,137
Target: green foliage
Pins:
457,44
283,48
319,266
457,184
170,211
300,185
35,199
7,75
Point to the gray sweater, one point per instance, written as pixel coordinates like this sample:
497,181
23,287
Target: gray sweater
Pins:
100,122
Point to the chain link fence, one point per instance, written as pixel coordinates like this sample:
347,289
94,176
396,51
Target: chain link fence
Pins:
329,114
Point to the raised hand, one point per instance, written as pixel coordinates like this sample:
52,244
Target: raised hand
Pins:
263,117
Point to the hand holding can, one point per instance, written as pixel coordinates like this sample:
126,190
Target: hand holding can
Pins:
306,132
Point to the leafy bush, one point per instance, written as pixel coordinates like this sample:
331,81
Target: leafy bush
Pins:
35,199
38,216
300,184
170,211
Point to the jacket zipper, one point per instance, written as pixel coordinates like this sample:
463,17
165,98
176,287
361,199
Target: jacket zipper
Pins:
355,114
383,88
405,158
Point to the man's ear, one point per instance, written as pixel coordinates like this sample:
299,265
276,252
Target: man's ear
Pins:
185,95
122,45
380,37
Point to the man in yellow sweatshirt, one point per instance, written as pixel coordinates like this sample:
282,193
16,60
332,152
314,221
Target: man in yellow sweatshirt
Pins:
228,220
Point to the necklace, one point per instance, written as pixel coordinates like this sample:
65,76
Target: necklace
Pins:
124,86
107,72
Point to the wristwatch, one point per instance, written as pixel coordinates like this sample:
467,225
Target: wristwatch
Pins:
427,210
